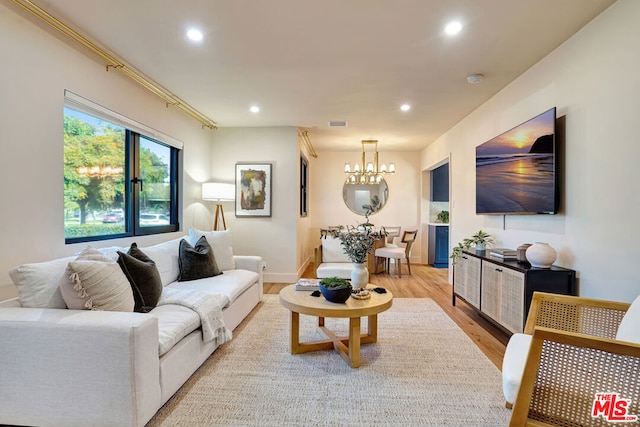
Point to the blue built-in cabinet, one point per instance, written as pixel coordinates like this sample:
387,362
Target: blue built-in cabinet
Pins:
440,184
439,246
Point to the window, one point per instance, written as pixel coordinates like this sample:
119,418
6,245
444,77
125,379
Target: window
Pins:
118,181
304,184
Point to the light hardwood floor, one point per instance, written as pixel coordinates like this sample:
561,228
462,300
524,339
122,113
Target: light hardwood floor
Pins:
429,282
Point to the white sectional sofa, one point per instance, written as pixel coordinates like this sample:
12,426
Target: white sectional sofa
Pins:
62,367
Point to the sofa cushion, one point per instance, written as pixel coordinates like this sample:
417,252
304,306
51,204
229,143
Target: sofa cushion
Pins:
232,283
165,255
629,328
70,295
143,277
196,262
104,283
174,323
221,242
38,284
513,363
332,250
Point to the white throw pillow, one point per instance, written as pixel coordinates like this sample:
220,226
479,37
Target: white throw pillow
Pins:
165,255
221,242
332,250
70,295
38,283
104,283
629,328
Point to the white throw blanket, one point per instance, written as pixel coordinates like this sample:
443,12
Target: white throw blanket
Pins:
209,308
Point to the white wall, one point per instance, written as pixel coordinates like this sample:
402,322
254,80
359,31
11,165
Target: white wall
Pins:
593,81
274,238
36,69
402,208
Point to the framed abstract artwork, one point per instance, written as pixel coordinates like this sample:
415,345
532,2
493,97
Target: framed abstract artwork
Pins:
253,189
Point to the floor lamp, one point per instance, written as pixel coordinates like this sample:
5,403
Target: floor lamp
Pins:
219,192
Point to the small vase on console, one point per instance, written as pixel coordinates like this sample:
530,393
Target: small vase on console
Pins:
359,275
541,255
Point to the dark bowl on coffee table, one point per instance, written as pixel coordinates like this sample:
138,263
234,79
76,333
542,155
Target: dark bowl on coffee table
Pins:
340,295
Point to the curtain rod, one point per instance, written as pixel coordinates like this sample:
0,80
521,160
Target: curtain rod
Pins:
113,62
304,135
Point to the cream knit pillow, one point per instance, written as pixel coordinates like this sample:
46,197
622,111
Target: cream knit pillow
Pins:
70,295
104,283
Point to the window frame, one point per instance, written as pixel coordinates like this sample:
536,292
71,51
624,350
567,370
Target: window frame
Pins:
304,186
132,182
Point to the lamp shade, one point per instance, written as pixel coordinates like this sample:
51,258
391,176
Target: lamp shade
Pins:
218,191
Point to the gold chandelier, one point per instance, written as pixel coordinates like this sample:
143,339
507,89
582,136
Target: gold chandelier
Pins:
370,173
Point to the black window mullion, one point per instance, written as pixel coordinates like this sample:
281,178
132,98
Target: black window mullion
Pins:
134,182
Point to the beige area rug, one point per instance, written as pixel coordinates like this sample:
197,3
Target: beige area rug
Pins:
422,371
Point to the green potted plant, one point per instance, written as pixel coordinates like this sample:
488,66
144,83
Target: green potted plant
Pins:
356,243
480,240
443,217
335,289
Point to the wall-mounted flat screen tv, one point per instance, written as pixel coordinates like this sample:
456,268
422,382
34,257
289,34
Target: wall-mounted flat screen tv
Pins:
516,172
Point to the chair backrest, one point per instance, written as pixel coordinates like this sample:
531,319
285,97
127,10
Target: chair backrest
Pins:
393,231
332,250
408,237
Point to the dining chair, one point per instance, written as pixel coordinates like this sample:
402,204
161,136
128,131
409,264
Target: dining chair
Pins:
399,253
393,231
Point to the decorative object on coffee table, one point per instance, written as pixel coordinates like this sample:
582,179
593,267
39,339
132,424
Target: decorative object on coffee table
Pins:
356,243
335,289
541,255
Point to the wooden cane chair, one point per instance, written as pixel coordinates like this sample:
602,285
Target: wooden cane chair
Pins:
578,348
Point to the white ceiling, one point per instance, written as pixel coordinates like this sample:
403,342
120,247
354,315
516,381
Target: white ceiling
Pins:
307,62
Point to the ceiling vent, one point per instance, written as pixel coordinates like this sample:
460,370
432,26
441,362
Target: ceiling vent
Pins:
337,123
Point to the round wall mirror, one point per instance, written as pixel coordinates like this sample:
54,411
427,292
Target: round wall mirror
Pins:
360,197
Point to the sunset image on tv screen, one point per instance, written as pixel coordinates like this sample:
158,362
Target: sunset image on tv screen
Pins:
515,171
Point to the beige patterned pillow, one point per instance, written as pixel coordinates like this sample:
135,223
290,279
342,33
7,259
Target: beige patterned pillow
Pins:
104,283
70,295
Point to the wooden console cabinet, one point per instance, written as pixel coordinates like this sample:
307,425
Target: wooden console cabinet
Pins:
502,290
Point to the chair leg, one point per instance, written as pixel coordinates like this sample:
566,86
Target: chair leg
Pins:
399,267
409,265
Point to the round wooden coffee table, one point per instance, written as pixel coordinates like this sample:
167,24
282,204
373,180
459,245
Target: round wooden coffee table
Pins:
347,347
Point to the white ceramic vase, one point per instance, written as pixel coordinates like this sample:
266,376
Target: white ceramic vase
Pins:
359,275
541,255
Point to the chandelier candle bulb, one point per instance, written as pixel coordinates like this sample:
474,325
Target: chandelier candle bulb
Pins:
347,168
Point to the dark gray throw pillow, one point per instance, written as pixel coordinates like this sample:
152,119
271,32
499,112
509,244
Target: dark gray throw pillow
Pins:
143,276
197,262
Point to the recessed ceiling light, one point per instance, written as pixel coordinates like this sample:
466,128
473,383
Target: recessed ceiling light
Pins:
194,35
405,107
254,109
453,28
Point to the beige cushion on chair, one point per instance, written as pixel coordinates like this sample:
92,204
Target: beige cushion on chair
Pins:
629,328
391,252
513,363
